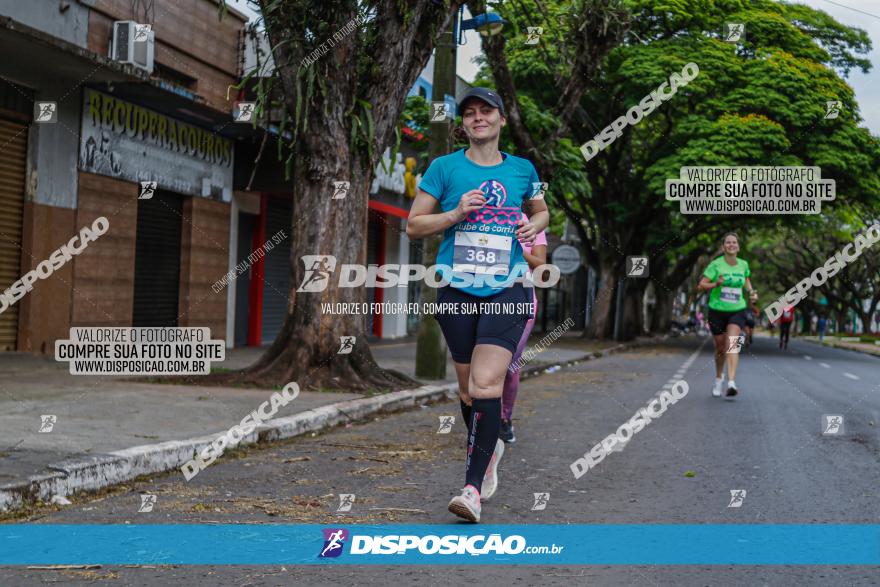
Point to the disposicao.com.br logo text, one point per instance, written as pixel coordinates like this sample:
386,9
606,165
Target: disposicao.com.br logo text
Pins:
450,544
319,269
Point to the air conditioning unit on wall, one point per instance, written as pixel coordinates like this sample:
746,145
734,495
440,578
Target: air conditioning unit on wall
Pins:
133,43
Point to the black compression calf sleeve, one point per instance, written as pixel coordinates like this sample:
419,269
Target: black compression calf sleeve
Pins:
466,414
484,428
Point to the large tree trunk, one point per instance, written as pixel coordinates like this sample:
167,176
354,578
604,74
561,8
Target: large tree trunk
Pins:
307,347
634,309
662,315
343,115
840,316
865,317
602,314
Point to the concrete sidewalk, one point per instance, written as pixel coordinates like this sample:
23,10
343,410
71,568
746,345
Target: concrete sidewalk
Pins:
862,347
112,422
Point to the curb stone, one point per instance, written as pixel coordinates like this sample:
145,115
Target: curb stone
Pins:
874,352
94,472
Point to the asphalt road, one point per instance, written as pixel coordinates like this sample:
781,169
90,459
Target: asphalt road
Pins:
680,469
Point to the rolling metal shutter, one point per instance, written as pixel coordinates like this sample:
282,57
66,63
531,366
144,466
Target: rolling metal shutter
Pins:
157,260
246,224
13,138
276,289
373,229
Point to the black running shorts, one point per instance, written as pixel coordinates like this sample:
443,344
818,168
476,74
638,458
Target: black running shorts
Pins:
718,320
499,319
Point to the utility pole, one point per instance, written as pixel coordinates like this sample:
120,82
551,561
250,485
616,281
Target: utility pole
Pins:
430,345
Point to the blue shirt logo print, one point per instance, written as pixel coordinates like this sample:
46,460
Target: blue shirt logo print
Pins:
495,192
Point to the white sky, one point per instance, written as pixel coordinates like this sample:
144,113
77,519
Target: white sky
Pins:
864,14
244,7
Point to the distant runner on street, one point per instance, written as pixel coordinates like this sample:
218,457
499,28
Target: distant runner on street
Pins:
785,322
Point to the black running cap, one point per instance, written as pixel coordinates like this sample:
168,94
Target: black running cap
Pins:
488,96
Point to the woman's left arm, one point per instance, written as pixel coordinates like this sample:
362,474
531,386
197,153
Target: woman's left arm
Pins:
752,295
539,219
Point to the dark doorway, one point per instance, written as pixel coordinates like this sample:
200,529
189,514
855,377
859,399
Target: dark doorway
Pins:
276,288
246,225
157,260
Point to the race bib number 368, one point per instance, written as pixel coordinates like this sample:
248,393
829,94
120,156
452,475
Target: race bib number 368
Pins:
481,253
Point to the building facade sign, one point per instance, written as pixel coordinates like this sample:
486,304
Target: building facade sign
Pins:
397,177
133,143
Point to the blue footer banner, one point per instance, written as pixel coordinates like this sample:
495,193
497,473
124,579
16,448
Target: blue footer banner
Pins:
531,544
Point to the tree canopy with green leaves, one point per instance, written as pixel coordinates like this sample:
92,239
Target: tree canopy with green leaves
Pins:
786,256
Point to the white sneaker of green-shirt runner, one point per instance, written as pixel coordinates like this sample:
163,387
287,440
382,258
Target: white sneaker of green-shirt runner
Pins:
716,389
732,391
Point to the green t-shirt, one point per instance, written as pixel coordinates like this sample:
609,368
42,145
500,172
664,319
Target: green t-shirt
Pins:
729,296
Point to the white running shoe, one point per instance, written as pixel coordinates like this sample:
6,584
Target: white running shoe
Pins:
716,389
490,479
466,505
732,391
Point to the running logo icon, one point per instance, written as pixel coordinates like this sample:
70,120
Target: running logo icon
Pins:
832,109
539,189
446,423
495,192
346,500
636,266
346,345
541,500
334,541
737,496
735,343
340,189
142,32
47,423
244,111
45,112
148,188
147,503
318,271
439,111
533,35
733,32
832,424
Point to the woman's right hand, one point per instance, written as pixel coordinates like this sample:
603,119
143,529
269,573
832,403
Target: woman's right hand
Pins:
470,201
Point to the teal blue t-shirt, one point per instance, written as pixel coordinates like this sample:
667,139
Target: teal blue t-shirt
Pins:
480,255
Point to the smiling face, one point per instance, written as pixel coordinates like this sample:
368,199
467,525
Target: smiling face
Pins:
730,245
482,122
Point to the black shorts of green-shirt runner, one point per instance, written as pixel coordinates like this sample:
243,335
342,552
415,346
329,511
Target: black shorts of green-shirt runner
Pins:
727,302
